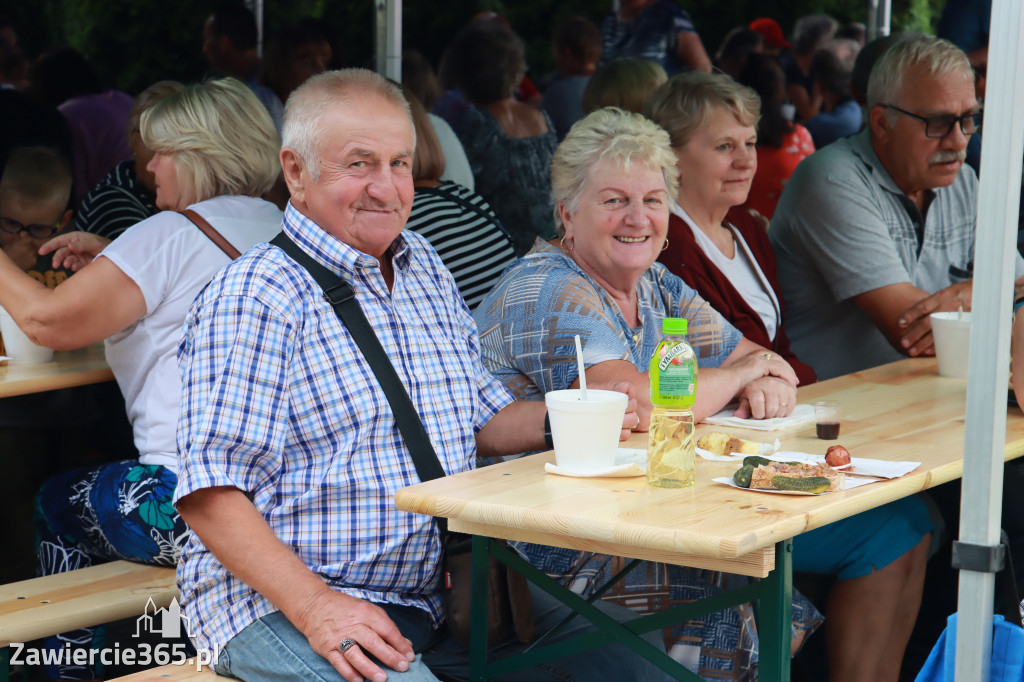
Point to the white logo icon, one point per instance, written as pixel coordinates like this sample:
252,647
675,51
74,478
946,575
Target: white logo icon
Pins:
165,621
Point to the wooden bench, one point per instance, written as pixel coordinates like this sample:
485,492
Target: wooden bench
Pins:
31,609
172,673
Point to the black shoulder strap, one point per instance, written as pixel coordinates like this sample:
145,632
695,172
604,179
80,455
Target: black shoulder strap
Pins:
340,295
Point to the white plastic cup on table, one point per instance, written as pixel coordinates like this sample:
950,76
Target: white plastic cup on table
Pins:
17,345
952,335
586,433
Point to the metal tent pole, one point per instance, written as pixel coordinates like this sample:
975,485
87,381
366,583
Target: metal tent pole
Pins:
388,34
995,250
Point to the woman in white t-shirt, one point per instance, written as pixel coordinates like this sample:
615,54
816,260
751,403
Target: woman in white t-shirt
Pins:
216,153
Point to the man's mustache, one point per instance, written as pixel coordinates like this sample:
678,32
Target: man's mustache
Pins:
948,156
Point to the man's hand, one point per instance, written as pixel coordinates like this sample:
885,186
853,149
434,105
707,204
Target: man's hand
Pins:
1017,358
917,337
334,616
766,398
228,523
74,250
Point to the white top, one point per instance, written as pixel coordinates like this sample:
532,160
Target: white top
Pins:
456,163
171,260
742,271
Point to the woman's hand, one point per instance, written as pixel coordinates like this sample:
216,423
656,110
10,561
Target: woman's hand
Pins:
636,417
632,420
764,363
74,250
766,398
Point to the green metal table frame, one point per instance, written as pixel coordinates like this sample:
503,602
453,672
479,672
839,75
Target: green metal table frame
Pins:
772,596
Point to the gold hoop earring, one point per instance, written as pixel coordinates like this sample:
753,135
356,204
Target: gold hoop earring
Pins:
572,244
666,244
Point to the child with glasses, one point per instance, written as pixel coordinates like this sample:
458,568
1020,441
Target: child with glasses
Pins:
34,192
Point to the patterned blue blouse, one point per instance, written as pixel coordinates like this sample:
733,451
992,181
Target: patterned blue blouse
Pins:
529,319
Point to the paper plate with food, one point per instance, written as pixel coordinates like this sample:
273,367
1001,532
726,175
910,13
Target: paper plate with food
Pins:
839,458
724,447
762,474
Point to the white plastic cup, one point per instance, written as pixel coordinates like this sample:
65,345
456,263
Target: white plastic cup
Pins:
586,434
952,334
17,345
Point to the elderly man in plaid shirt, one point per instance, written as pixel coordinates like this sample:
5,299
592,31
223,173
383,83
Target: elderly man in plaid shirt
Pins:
300,567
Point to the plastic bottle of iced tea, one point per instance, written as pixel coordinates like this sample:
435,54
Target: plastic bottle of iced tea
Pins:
673,379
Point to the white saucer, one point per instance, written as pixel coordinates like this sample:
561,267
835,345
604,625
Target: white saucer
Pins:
629,462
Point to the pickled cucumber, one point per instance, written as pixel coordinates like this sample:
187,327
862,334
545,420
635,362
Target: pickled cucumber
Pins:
743,475
756,460
810,484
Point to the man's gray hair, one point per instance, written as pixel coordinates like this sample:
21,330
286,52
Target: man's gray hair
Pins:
811,31
310,101
609,134
937,57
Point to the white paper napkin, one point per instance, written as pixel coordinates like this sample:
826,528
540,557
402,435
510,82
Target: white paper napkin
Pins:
629,462
802,415
875,468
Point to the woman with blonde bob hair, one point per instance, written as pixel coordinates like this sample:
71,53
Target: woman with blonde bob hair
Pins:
215,154
614,178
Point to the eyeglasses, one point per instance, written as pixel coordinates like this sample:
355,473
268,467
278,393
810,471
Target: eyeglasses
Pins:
12,226
941,126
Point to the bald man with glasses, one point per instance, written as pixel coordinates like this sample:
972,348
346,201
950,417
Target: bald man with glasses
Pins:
876,231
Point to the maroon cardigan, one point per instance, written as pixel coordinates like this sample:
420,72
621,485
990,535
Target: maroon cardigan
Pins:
685,258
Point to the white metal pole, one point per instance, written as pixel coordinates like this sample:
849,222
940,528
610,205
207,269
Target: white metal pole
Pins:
388,15
884,18
995,249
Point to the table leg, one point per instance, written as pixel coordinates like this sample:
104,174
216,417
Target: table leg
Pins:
478,608
775,617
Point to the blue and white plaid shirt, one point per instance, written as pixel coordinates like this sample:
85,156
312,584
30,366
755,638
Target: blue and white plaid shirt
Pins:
279,402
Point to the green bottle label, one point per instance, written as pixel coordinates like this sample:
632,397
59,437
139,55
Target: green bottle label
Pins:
673,374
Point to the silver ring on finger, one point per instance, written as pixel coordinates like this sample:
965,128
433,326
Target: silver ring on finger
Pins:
637,422
346,644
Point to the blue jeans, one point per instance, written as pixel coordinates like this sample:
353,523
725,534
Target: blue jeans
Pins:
273,650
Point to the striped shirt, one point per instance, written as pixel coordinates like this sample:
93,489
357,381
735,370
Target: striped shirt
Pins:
115,204
279,402
465,232
529,320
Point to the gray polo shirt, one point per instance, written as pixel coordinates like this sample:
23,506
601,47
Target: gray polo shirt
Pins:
842,228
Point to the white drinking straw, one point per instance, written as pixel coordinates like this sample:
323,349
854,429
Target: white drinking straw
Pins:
579,365
960,313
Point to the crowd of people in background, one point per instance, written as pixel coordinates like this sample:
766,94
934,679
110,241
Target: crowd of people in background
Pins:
802,199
